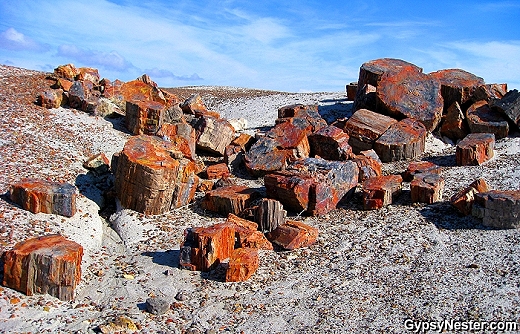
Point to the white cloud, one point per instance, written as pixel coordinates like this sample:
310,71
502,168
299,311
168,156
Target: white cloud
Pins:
108,60
13,40
161,73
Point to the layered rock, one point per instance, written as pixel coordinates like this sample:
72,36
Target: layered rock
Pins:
369,165
427,188
510,106
269,214
242,264
457,86
419,167
454,125
214,134
144,117
403,140
330,143
231,199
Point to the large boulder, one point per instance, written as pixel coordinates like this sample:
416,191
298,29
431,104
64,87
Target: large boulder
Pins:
457,86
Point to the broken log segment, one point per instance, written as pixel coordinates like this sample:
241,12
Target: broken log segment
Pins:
464,199
510,106
483,119
475,149
380,191
427,188
330,143
243,263
498,208
214,134
454,125
293,234
231,199
269,215
419,167
403,140
457,86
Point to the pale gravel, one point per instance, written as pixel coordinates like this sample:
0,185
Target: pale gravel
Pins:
368,271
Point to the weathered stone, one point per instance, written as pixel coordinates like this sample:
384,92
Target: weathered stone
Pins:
403,140
510,106
170,131
489,92
44,196
194,105
351,89
231,199
454,124
106,108
314,186
330,143
144,117
64,84
234,157
80,96
113,91
483,119
411,94
50,264
457,86
420,167
204,248
475,149
293,235
243,263
173,114
138,90
68,71
380,191
269,214
427,188
98,163
217,171
147,80
369,165
153,176
305,117
206,185
365,127
213,135
157,306
244,140
88,73
498,208
247,234
51,98
463,200
239,124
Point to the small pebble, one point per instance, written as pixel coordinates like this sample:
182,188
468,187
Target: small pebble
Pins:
157,306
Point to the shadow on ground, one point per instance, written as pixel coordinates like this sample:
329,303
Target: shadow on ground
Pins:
169,258
445,216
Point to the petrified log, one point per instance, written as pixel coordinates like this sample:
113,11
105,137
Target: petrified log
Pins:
64,84
371,73
67,71
379,191
510,106
411,94
217,171
180,129
420,167
483,119
204,248
427,188
213,135
230,199
37,195
51,98
243,263
247,234
88,73
330,143
138,90
463,200
150,179
50,264
475,149
403,140
489,92
351,89
194,105
269,215
365,127
454,124
293,234
369,165
498,208
304,117
457,86
144,117
80,96
314,186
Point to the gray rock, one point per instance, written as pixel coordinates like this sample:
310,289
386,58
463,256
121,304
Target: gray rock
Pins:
157,306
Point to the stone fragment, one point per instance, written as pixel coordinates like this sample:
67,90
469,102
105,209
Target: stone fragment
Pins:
138,91
230,199
330,143
411,94
64,84
88,73
371,72
243,263
234,157
144,117
483,119
204,248
365,127
217,171
153,176
49,264
206,185
314,186
194,105
239,124
171,131
380,191
305,117
454,125
51,98
368,167
420,167
107,108
427,188
457,86
463,200
68,71
293,235
510,106
213,135
157,306
98,163
44,196
269,214
489,92
351,89
113,91
247,234
498,208
244,140
403,140
80,96
121,324
475,149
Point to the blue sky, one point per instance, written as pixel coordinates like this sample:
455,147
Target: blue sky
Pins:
281,45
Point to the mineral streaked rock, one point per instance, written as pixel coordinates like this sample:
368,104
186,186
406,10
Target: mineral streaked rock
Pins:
419,167
510,106
403,140
463,200
427,188
49,264
475,149
330,143
293,234
144,117
269,215
213,135
498,208
483,119
457,85
230,199
379,191
243,263
454,124
365,127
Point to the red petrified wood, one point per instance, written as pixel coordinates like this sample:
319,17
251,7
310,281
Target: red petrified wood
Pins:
230,199
243,263
379,191
214,134
217,171
330,143
463,200
475,149
427,188
49,264
247,234
419,167
369,165
454,125
37,195
457,85
403,140
293,234
482,118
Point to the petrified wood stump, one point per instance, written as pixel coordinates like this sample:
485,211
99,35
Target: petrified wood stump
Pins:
419,167
150,180
457,86
498,208
243,263
351,90
475,149
49,264
230,199
330,143
293,234
403,140
269,215
427,188
463,200
379,191
483,119
214,134
144,117
454,125
37,195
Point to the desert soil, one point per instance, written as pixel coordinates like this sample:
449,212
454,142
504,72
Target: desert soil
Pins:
369,271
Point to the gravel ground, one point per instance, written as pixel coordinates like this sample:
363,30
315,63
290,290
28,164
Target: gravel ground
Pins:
368,272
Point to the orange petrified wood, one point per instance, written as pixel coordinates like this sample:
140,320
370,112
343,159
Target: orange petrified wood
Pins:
49,264
243,263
